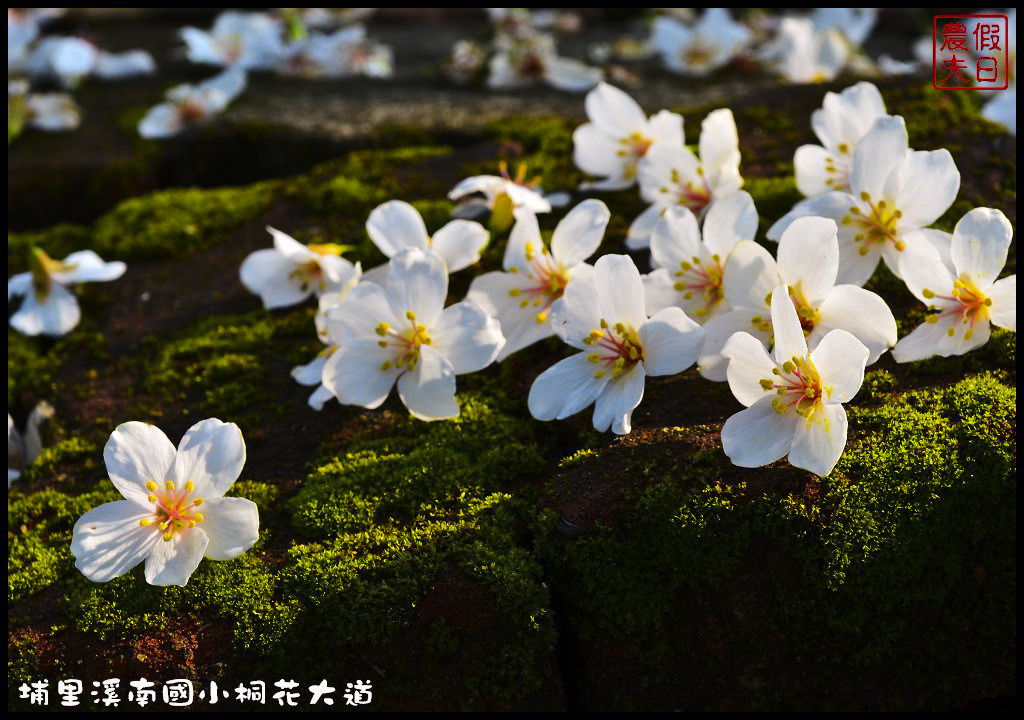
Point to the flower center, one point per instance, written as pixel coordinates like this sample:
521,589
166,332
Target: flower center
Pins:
837,170
798,385
617,348
698,54
406,343
309,274
881,225
693,195
967,306
807,313
172,511
705,279
548,281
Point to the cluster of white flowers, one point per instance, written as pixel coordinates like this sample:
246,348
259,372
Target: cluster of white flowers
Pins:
523,52
64,60
714,296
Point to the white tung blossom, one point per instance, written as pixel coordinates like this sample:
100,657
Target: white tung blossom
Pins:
702,48
854,23
808,263
604,317
188,105
69,59
805,54
794,399
49,308
290,272
895,194
402,333
843,119
174,511
964,294
670,174
689,269
252,41
520,61
536,276
51,112
618,135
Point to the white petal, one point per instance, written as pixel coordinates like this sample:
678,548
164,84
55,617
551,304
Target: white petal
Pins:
357,379
717,332
749,364
108,541
310,373
565,388
525,232
833,205
1003,295
730,220
789,336
666,127
614,406
758,435
58,315
750,276
519,325
620,291
467,336
596,153
579,234
319,397
125,64
211,457
923,186
19,285
578,312
809,163
268,273
163,120
663,169
877,154
614,112
460,243
290,248
173,562
922,269
860,312
660,291
135,454
571,75
417,283
719,142
671,342
87,266
232,526
355,320
808,256
638,236
429,390
676,239
819,441
855,268
981,242
396,226
840,358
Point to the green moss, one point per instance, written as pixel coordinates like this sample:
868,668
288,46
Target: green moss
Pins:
176,223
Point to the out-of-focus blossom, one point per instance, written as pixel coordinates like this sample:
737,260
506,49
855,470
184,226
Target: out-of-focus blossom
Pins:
521,61
252,41
188,105
855,24
52,112
466,61
23,449
804,54
70,59
502,196
343,53
700,49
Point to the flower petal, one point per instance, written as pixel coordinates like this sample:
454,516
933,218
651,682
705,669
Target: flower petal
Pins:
578,312
174,561
808,256
719,145
396,226
268,273
417,283
840,359
922,269
834,205
613,111
319,397
660,291
211,457
135,454
429,389
460,243
518,324
749,364
751,274
860,312
819,441
312,372
676,239
614,406
18,285
981,241
671,342
357,379
570,75
289,247
758,435
232,525
1003,295
638,236
717,332
108,541
579,234
923,186
565,388
810,163
467,336
620,291
526,232
595,153
87,266
856,268
789,335
876,155
57,315
730,220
